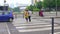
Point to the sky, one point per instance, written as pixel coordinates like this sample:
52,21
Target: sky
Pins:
15,3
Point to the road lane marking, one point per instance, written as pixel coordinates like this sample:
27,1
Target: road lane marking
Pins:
42,29
57,33
29,24
8,29
35,26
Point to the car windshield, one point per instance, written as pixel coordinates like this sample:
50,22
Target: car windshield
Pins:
2,8
4,13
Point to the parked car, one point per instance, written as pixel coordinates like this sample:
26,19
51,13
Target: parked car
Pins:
6,15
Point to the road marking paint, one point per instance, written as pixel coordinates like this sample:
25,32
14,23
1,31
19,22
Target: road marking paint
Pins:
57,33
35,26
42,29
30,24
8,29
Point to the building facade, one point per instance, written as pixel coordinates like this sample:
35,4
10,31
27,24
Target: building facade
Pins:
34,1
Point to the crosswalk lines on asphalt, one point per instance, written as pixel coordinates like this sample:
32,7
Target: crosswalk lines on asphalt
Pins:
57,33
30,27
35,25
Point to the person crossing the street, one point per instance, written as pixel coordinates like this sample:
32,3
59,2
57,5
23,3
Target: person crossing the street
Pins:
26,15
29,17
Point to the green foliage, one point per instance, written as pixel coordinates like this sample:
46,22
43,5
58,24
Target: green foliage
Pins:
51,3
36,6
36,9
58,2
39,5
9,8
30,7
16,9
45,4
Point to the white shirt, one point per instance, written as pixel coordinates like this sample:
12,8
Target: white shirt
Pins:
30,13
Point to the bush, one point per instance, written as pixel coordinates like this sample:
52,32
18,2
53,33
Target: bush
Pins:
36,9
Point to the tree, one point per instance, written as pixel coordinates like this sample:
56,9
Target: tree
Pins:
51,3
9,8
16,9
39,5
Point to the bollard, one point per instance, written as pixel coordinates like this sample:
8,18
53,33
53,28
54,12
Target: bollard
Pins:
52,25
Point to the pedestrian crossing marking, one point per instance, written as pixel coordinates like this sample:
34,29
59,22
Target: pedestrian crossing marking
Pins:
30,27
17,24
57,33
40,29
35,26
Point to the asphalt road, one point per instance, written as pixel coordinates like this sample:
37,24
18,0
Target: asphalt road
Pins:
38,25
7,28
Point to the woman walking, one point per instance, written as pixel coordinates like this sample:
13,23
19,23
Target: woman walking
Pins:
26,15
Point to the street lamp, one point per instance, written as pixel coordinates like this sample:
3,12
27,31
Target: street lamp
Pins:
42,4
56,7
4,1
4,4
32,2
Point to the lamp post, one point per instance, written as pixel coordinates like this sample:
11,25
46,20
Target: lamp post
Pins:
56,7
4,4
42,3
32,3
4,1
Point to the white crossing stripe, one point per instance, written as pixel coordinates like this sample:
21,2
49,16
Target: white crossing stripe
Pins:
40,29
57,33
17,24
34,26
48,25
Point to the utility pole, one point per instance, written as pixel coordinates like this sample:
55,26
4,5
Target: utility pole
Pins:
56,7
4,1
32,2
4,4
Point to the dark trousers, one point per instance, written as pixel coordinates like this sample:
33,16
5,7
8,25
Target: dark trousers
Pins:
29,18
26,19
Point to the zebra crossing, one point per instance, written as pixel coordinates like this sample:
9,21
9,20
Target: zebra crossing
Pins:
57,33
35,25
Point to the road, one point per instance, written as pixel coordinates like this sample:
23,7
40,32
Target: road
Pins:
39,25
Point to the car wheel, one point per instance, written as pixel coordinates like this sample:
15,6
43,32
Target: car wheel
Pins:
10,20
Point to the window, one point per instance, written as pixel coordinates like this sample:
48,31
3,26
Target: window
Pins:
3,8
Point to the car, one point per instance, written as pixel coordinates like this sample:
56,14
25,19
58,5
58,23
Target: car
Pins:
5,14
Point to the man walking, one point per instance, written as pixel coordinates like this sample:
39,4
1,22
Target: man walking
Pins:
30,13
27,15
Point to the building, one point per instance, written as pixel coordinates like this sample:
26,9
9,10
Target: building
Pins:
38,0
34,1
